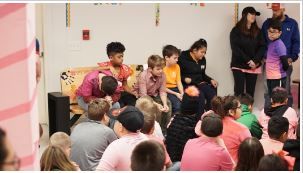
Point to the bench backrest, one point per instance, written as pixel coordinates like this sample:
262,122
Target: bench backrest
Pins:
72,78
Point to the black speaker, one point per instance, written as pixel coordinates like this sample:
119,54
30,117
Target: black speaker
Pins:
58,113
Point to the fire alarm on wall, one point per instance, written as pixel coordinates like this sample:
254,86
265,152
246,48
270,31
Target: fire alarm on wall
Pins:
85,34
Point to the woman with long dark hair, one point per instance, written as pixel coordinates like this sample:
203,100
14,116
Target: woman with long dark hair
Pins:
248,49
249,154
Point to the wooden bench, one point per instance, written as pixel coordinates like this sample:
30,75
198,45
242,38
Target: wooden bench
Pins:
72,78
297,81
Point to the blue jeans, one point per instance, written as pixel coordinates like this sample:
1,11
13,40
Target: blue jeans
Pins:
207,93
175,166
288,85
175,102
273,83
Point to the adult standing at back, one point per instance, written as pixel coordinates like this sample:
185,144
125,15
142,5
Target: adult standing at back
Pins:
290,37
248,48
192,64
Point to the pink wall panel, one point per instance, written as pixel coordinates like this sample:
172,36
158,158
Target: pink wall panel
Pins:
18,91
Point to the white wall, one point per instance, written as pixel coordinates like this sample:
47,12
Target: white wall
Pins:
134,26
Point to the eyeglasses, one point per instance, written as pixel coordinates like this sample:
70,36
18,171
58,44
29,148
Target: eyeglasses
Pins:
15,162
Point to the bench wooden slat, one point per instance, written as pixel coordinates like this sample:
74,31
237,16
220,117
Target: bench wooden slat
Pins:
76,109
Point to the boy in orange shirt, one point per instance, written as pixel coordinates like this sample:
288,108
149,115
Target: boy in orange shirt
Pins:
174,87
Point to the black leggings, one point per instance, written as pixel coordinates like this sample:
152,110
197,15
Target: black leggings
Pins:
244,82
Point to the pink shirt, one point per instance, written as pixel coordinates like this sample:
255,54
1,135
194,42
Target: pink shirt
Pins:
290,114
271,146
90,88
233,135
117,155
204,154
150,85
167,158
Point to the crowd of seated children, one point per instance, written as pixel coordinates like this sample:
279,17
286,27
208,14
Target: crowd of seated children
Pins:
163,120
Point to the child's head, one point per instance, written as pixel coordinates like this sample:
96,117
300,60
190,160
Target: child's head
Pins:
97,109
146,104
198,49
8,160
61,140
250,153
232,107
130,120
54,157
217,105
212,125
279,96
149,123
156,64
148,156
272,162
115,52
274,29
189,105
278,128
108,85
246,99
170,54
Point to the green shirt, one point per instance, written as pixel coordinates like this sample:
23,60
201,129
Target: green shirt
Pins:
250,121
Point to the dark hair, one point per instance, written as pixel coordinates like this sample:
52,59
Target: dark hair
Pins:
275,24
3,148
242,26
217,105
277,126
229,102
272,162
246,99
170,50
109,85
97,109
148,156
279,95
114,47
249,154
198,44
155,61
212,125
